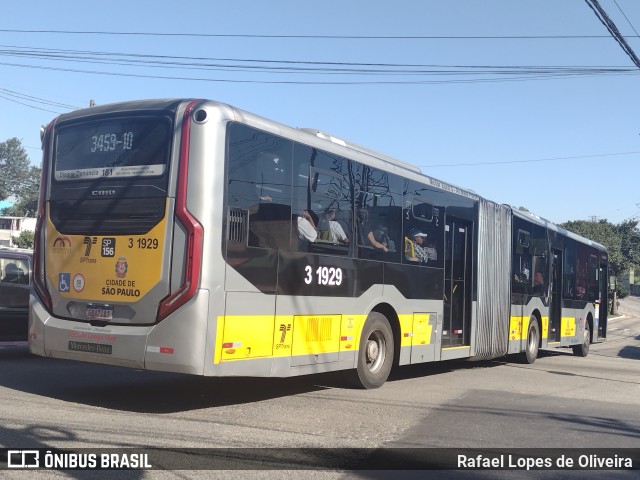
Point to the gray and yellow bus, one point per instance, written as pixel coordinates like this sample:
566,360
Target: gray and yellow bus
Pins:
190,236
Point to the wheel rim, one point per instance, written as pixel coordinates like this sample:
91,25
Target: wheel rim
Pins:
375,351
533,339
587,334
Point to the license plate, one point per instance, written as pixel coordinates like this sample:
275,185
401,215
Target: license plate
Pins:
99,312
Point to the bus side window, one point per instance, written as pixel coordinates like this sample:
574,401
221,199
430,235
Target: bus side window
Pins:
422,218
259,182
322,205
522,275
569,271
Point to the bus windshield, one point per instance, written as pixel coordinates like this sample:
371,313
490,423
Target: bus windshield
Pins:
117,147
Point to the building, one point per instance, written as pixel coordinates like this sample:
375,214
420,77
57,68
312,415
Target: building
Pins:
12,226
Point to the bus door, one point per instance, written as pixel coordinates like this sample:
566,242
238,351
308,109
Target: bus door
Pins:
555,302
601,328
457,284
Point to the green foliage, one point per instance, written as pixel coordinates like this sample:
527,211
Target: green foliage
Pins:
18,179
621,290
14,167
24,240
630,242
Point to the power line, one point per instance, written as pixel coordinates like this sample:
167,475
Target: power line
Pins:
615,33
25,97
309,82
8,98
31,101
65,54
314,37
626,18
476,73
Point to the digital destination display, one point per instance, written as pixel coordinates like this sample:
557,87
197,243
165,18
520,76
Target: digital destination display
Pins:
118,147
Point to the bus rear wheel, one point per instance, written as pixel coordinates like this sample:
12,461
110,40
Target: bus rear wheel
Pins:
583,349
533,341
375,354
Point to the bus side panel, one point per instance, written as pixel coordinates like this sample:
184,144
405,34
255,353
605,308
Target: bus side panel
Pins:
58,338
572,324
248,326
520,318
178,343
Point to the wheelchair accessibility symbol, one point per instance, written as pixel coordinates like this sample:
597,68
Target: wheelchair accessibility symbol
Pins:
64,282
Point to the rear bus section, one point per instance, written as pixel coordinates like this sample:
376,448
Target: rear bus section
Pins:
117,249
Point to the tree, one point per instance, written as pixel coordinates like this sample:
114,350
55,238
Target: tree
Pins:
24,240
629,242
18,179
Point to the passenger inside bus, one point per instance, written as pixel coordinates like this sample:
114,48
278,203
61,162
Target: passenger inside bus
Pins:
523,275
331,230
381,235
366,236
538,284
415,249
307,229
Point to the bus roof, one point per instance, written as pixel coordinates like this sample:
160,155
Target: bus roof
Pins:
526,215
158,104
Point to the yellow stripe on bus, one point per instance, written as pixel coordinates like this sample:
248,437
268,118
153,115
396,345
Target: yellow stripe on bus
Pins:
519,326
567,327
240,337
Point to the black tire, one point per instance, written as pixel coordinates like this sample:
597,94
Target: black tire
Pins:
533,342
583,349
375,354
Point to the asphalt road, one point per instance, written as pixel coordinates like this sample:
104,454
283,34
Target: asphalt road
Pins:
561,401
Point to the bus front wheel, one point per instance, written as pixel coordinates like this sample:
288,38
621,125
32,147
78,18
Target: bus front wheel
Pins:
375,354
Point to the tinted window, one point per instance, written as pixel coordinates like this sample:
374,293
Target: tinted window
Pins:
113,148
530,265
323,206
569,270
587,274
259,187
14,270
539,261
378,214
14,286
423,227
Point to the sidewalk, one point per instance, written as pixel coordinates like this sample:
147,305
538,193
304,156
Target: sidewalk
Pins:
629,306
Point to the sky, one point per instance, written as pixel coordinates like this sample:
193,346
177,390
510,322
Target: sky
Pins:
529,103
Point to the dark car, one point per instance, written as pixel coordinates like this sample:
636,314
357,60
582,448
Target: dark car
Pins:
15,282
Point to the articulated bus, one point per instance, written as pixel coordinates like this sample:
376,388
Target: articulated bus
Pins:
190,236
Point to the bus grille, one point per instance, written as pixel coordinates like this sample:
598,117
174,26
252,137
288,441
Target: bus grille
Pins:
318,329
237,225
118,216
